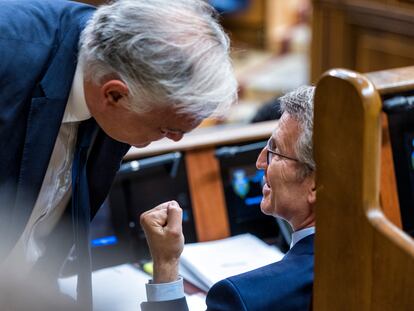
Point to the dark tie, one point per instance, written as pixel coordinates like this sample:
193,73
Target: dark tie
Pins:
81,214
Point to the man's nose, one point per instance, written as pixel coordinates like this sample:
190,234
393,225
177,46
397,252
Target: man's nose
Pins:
261,162
175,136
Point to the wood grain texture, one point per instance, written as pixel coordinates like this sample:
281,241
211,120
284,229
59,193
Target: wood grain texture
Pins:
393,81
362,35
207,195
389,192
362,260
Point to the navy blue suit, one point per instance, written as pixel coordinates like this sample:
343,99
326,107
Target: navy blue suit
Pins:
38,57
285,285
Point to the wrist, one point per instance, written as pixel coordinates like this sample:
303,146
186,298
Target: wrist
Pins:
165,271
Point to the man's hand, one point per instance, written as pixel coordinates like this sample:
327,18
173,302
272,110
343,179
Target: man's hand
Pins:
163,230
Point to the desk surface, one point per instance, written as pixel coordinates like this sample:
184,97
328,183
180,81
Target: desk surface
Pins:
206,137
122,288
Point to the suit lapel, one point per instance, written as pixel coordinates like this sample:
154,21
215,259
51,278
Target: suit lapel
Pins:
42,128
43,124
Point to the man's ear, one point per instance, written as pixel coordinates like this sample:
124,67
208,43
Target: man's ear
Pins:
113,92
312,190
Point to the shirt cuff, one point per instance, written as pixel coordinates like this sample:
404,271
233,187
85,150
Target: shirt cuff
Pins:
165,291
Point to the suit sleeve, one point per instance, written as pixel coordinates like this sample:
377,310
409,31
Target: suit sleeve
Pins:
169,305
224,296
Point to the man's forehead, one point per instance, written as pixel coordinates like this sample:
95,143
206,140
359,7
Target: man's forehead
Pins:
277,130
286,128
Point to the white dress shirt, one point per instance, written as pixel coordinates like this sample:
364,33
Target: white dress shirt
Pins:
55,191
301,234
165,291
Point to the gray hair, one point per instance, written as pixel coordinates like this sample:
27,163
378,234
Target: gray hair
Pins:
299,105
168,52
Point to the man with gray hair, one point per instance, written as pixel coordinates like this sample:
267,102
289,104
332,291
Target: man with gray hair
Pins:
289,193
79,85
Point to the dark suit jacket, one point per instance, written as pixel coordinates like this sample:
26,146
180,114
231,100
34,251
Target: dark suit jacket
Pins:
38,57
285,285
282,286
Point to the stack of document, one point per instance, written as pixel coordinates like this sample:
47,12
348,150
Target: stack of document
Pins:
118,288
206,263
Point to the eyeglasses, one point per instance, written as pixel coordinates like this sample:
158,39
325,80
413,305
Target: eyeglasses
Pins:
270,153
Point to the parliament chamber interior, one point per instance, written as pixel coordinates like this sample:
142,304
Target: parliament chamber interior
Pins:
358,55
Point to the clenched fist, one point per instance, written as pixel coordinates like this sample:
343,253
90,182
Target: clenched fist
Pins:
163,229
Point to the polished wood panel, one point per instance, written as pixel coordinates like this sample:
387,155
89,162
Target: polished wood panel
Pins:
207,195
247,26
362,260
393,81
375,52
362,35
389,192
343,244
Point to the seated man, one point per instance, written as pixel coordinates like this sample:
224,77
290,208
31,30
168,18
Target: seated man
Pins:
288,192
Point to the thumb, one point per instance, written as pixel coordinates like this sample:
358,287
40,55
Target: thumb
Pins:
175,217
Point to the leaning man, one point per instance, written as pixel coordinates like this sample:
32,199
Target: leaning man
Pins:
78,86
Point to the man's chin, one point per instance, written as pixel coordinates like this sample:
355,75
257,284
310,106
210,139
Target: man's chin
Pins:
266,207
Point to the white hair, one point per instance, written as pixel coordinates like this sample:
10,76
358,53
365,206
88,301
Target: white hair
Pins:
299,105
168,52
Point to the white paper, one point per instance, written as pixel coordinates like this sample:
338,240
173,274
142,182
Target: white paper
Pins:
119,288
209,262
196,302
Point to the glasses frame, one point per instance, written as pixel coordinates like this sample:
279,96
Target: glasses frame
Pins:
270,152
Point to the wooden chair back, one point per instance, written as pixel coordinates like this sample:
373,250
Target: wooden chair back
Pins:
363,260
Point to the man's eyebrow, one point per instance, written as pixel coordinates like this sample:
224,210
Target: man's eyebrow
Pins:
278,145
274,142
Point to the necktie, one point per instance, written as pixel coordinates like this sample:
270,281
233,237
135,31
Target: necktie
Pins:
81,214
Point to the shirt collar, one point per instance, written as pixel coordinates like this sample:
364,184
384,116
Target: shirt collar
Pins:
76,108
300,234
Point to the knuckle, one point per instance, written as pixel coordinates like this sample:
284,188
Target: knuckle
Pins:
175,233
174,204
176,208
162,205
143,219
